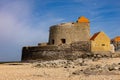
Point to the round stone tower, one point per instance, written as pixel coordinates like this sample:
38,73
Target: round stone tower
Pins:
66,33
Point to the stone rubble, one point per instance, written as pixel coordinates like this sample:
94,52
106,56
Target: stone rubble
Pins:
99,70
60,63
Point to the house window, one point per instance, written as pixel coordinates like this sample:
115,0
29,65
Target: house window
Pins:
63,41
103,44
53,41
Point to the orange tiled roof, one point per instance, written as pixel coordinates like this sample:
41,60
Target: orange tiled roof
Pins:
83,19
117,39
94,36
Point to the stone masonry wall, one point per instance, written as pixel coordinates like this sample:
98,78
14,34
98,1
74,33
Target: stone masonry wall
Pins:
81,46
71,32
71,51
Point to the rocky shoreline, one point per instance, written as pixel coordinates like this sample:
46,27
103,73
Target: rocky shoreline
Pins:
77,69
86,68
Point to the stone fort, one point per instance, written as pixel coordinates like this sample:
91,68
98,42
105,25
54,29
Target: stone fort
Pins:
65,39
67,33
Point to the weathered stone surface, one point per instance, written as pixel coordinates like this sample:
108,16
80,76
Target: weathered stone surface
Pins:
72,51
81,46
70,32
99,70
60,63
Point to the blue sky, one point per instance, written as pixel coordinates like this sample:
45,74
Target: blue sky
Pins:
27,22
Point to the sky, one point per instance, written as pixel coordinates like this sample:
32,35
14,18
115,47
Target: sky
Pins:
27,22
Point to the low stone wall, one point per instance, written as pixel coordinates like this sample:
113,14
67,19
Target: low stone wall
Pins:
50,55
73,51
40,48
51,52
35,52
81,46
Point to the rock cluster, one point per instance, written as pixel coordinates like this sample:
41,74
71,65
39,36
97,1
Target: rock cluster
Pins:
60,63
99,70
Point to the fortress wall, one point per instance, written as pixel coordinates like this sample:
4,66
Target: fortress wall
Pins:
71,32
51,55
82,31
34,52
61,32
81,46
73,50
41,48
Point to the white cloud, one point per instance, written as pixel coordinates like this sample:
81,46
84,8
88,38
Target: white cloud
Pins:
17,28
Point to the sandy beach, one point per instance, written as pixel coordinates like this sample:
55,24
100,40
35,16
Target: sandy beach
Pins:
29,71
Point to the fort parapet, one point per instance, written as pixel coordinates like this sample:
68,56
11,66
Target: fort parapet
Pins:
51,52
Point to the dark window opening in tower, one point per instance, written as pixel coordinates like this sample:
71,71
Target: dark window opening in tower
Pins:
63,41
103,44
53,41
